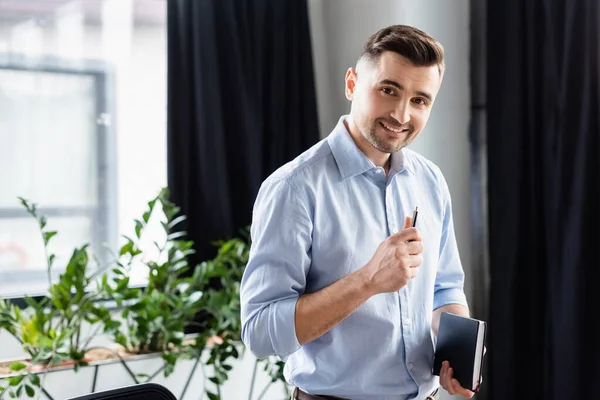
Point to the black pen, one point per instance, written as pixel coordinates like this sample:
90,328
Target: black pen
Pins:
415,214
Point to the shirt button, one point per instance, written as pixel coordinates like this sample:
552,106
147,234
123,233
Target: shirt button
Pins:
407,321
410,366
379,170
395,230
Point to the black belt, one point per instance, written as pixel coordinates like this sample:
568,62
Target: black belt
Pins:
301,395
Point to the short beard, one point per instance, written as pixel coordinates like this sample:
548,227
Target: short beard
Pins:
387,147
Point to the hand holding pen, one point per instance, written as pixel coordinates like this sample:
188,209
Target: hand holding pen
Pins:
396,260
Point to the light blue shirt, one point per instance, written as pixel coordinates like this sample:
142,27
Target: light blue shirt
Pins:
321,217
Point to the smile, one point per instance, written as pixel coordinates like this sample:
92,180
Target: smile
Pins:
391,129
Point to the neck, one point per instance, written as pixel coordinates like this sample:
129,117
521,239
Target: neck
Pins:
377,157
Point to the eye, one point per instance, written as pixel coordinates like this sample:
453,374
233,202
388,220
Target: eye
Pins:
388,91
420,101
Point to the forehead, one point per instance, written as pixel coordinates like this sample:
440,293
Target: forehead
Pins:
394,67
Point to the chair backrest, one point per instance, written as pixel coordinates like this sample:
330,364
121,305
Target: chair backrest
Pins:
141,391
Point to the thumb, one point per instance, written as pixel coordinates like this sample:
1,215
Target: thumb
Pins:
407,222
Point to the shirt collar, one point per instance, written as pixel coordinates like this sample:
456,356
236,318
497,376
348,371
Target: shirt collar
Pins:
351,161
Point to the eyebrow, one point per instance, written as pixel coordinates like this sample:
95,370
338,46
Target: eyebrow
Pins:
400,87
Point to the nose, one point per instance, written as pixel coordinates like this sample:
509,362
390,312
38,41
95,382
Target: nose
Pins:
402,113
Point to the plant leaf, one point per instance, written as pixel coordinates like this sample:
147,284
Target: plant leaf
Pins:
17,366
212,396
48,236
176,221
34,379
138,228
127,248
15,380
176,235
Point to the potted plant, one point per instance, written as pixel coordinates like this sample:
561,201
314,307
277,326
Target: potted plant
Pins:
148,321
50,328
156,317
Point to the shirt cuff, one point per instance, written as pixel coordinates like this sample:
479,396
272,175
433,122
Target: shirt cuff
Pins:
444,297
283,327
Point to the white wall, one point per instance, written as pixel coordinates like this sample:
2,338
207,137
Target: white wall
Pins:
339,29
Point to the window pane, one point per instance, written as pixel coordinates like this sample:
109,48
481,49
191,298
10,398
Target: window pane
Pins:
82,127
48,130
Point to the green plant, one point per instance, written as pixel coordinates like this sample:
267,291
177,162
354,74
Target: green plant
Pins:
50,328
221,303
221,306
151,319
154,318
208,299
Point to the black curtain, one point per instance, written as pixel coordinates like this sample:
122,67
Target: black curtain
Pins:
241,102
544,204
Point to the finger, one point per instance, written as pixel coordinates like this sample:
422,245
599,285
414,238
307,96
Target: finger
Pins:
449,375
444,377
407,234
407,222
442,370
413,272
415,261
458,389
448,379
414,247
413,269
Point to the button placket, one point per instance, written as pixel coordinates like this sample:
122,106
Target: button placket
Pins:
391,215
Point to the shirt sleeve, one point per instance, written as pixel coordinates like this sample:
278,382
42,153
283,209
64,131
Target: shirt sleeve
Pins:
449,281
275,276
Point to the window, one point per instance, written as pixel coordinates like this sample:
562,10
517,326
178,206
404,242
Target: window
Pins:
82,127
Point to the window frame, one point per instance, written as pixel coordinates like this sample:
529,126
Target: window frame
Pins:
104,216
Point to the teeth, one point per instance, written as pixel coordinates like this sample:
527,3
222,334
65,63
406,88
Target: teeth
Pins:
392,129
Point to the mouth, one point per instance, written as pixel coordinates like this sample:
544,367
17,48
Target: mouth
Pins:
393,129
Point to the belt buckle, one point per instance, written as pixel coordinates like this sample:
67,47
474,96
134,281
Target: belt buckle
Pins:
433,395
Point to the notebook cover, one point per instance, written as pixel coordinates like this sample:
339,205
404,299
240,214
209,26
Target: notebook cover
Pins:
457,343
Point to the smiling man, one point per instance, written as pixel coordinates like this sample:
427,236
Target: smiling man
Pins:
339,284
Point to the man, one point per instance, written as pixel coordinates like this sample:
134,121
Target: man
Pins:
339,284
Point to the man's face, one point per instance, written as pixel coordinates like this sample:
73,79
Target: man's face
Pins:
391,100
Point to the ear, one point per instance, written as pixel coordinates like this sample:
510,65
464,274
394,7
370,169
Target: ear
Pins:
351,78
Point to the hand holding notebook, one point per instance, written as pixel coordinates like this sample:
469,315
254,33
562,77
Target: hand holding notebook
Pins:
460,347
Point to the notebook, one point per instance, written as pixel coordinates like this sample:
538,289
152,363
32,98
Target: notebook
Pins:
461,342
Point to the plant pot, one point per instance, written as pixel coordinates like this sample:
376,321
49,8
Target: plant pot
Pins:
41,368
61,382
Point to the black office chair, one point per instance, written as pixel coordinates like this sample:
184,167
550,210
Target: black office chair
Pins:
141,391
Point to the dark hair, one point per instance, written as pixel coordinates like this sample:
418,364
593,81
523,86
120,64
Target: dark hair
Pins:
409,42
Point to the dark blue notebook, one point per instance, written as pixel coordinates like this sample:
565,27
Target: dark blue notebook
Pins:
461,342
